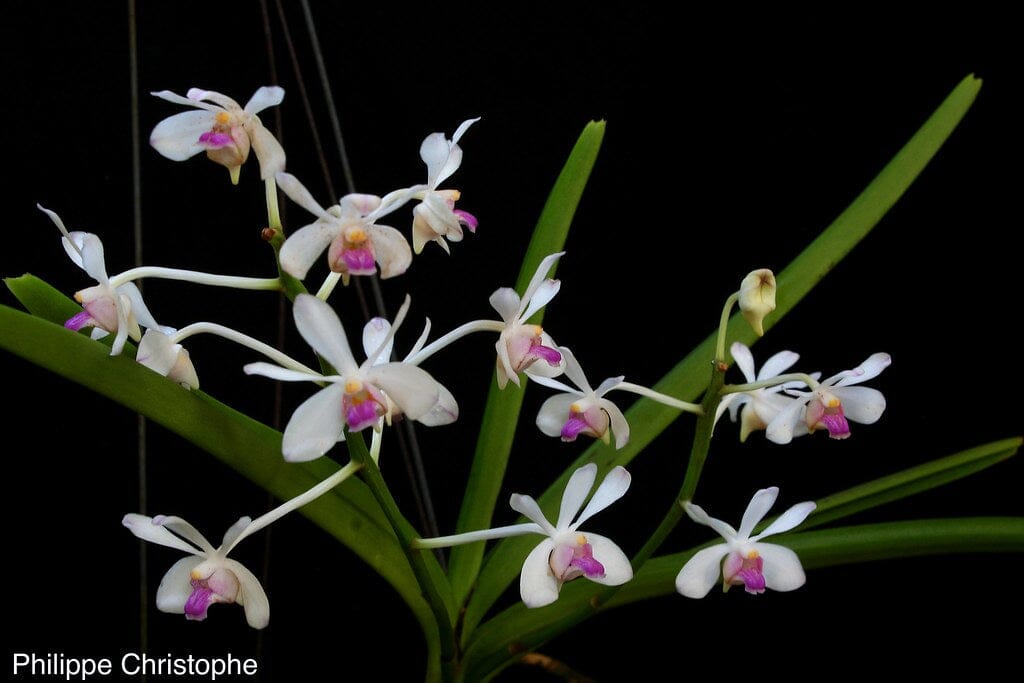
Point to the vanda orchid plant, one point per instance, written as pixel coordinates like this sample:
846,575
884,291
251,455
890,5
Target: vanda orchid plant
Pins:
108,340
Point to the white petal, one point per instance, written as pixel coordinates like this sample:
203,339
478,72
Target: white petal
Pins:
506,302
573,370
267,96
179,99
781,429
617,569
744,360
526,505
434,152
157,352
391,250
176,586
613,487
298,193
315,426
869,369
234,533
608,384
541,275
554,412
782,569
540,297
142,527
620,427
92,255
537,585
463,127
699,575
284,374
504,369
758,507
139,310
320,326
378,340
450,166
551,383
185,530
303,247
411,388
358,205
195,95
777,364
443,412
177,137
697,514
861,404
788,519
576,491
251,595
268,151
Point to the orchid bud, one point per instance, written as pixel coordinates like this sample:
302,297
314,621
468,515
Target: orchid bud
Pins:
757,298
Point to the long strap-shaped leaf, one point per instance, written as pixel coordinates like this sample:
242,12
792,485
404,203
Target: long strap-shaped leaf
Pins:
519,629
349,512
689,378
501,412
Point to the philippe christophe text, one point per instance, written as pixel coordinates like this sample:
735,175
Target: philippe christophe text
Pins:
58,665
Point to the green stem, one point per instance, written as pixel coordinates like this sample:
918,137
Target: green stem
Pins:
773,382
698,456
418,560
723,325
273,212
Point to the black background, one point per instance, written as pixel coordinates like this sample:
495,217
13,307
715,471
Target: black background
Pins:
732,139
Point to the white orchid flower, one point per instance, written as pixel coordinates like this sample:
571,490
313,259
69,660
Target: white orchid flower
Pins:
761,406
581,410
748,562
107,309
359,395
355,243
222,128
207,576
158,352
521,345
435,218
568,553
833,403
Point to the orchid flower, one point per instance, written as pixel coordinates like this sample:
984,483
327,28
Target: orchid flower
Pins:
581,410
521,345
221,128
748,562
567,553
207,576
359,395
158,352
349,233
761,406
833,403
107,309
435,218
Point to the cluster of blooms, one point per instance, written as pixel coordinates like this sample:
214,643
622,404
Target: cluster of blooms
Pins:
372,393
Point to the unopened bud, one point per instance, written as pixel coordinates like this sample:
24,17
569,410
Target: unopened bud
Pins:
757,298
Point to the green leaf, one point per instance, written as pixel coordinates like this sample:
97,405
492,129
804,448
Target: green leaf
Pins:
348,512
690,376
911,481
518,629
501,412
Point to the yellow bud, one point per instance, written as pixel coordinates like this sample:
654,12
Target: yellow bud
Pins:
353,386
223,117
581,540
757,298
